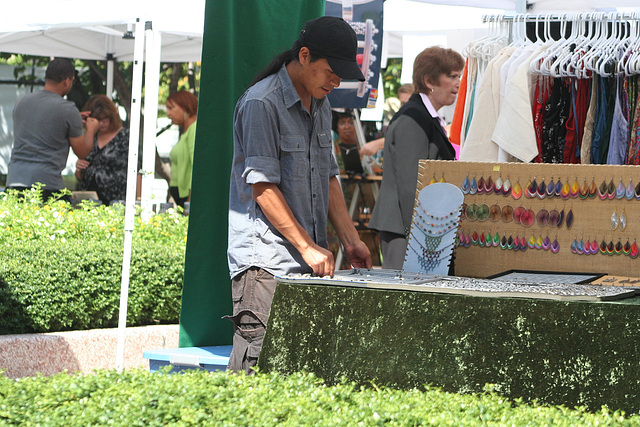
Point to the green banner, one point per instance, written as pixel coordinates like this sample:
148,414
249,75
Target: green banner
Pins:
241,37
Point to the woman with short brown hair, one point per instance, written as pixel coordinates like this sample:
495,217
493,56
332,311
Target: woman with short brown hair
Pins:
416,132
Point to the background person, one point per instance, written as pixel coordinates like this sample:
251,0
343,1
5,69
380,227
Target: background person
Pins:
371,148
347,140
182,109
45,125
283,179
105,168
415,132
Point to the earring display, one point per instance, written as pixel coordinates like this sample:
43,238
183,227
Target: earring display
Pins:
488,185
541,192
542,217
565,191
528,217
517,214
554,218
466,185
470,211
481,187
482,214
574,190
531,190
497,186
516,191
620,190
584,190
569,219
630,191
560,219
551,188
507,214
567,210
495,212
506,187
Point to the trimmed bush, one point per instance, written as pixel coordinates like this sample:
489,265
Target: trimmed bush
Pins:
139,398
61,267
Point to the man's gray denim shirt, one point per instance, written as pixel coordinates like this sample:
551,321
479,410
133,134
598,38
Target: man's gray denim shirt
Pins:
276,140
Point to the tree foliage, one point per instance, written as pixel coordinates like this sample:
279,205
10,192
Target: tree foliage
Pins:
391,77
92,78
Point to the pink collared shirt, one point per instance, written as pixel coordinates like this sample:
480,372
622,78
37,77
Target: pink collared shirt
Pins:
427,103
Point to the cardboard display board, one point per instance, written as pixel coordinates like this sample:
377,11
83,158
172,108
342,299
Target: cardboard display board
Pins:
591,218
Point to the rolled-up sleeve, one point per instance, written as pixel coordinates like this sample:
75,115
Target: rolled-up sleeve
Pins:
260,143
261,169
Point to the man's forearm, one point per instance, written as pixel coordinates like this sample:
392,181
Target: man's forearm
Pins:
276,209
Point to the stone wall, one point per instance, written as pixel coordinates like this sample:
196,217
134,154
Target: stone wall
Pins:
80,351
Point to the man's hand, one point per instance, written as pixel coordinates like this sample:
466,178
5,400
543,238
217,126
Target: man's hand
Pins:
358,255
320,260
275,208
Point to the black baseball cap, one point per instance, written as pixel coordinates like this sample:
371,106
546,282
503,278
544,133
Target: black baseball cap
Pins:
334,39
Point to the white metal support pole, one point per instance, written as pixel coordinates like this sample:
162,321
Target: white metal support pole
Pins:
366,163
132,178
151,89
110,75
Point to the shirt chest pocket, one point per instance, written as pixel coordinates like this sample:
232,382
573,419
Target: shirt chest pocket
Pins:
325,144
294,158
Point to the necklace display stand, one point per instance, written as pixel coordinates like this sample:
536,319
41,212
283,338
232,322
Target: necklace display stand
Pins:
435,221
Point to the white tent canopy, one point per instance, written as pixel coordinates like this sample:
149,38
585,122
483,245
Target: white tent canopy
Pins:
80,29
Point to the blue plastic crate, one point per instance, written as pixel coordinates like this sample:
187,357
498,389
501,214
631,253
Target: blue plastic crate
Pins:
215,358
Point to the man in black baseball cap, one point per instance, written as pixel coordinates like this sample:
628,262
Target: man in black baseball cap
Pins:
284,179
335,40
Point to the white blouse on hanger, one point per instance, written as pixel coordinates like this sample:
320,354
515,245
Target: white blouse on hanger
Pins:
514,131
478,145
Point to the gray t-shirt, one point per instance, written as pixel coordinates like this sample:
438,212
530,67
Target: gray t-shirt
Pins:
43,122
276,140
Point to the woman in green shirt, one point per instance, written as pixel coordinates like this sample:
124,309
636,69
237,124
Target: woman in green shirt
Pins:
182,108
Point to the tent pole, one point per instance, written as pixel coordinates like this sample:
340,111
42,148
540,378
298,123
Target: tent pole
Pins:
132,178
110,75
152,87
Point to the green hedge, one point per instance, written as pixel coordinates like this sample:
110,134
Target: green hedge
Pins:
139,398
61,267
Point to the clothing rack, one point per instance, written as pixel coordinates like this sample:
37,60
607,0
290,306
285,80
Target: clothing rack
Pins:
594,62
543,18
555,26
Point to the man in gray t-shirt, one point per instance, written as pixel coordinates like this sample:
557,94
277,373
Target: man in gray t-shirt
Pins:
45,125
